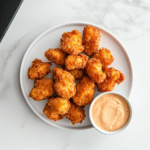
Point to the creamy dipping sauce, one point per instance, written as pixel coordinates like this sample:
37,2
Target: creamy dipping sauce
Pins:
110,112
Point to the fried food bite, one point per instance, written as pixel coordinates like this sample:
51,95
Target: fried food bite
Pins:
39,69
76,62
85,92
59,105
91,38
76,114
94,70
113,76
43,88
77,73
51,114
105,57
64,83
71,42
56,55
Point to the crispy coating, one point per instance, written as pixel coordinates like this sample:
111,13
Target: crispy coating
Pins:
105,57
113,76
91,38
43,88
64,83
85,92
39,69
107,85
94,70
59,105
56,55
77,73
76,62
71,42
51,114
76,114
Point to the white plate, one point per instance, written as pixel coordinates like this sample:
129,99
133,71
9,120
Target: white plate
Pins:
51,39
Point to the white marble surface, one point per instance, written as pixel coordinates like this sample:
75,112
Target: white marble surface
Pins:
20,128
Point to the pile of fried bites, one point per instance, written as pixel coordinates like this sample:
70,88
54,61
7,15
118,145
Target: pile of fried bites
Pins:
90,69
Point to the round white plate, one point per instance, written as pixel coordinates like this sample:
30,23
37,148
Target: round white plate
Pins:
51,39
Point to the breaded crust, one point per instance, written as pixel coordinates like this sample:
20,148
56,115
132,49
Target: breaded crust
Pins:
94,70
76,62
43,88
77,73
39,69
51,114
113,76
59,105
105,57
56,55
91,38
107,85
85,92
64,83
71,42
76,114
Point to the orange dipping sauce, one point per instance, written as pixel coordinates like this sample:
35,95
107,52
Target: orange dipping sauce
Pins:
110,112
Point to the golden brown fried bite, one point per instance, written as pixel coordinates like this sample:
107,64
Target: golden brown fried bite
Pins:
94,70
76,62
113,76
38,69
91,38
71,42
56,55
51,114
105,57
107,85
85,92
76,114
77,73
43,89
59,105
64,83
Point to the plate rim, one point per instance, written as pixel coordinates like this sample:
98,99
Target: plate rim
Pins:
54,28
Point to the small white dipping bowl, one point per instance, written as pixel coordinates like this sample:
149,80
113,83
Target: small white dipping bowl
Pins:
98,128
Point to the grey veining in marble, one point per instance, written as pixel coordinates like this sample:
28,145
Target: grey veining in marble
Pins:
20,128
127,19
